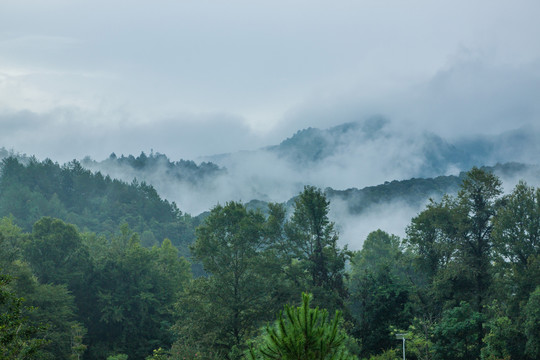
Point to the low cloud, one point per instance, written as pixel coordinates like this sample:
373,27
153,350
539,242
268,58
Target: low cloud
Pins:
392,218
65,133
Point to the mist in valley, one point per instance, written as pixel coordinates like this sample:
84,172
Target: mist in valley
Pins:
232,86
349,156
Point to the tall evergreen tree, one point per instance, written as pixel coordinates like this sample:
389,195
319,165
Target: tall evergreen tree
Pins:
313,241
303,333
453,243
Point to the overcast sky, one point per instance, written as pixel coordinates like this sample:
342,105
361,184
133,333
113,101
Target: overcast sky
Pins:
189,78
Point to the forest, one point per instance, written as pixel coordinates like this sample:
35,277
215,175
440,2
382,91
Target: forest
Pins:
96,268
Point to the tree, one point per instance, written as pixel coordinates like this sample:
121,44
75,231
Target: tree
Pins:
456,335
10,238
431,237
477,208
379,291
56,253
379,249
303,333
516,237
18,337
532,325
135,289
222,311
53,311
313,241
454,247
378,301
502,340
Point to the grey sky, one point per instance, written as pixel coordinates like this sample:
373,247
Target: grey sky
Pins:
191,78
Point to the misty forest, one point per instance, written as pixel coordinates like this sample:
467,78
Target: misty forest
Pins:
93,267
269,180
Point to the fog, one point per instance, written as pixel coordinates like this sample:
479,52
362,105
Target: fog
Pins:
193,79
353,229
196,79
356,155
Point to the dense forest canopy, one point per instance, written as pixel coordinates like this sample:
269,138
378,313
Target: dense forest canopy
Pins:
31,189
182,170
95,268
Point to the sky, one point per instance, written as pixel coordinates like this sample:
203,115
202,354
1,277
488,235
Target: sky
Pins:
194,78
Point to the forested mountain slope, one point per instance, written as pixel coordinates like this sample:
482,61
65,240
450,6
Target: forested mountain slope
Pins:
157,164
109,293
31,189
416,192
428,154
358,154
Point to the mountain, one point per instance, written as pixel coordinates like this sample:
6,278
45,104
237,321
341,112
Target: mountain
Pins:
311,145
435,155
352,155
31,189
416,192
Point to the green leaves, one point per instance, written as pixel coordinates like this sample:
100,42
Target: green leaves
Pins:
532,325
225,308
456,335
303,333
312,240
19,338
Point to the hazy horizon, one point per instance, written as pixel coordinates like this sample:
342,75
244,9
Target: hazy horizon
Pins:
194,79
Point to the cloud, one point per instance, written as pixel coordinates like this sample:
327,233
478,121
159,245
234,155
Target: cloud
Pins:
392,218
67,133
466,97
257,61
474,97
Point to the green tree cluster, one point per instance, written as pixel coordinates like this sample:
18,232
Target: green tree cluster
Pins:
255,265
464,283
92,297
31,189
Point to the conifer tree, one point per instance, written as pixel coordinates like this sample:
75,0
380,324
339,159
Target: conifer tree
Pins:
303,333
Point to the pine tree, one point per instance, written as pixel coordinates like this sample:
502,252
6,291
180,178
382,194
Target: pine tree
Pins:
303,333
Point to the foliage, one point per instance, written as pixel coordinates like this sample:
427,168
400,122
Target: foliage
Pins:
419,338
312,240
157,354
498,340
456,335
379,292
454,251
142,165
19,339
77,346
463,283
222,310
532,325
390,354
187,348
516,234
32,189
54,312
303,333
377,302
118,357
135,289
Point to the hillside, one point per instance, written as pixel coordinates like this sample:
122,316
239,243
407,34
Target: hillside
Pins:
416,192
31,189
